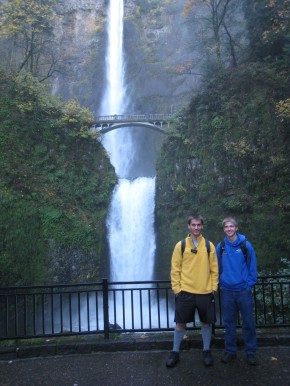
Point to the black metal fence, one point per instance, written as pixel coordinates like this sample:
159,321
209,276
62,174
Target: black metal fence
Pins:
110,307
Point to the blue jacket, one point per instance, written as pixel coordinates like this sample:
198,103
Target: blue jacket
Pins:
236,273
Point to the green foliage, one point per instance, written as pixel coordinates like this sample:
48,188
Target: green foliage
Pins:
268,24
55,183
21,240
272,298
25,17
77,119
231,157
27,26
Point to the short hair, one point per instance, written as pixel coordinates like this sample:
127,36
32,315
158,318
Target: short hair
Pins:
230,219
195,217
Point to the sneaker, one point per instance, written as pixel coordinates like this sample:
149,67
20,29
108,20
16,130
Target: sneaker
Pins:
207,358
227,357
251,360
172,359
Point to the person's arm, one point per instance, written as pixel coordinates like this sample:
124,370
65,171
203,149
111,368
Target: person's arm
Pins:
176,264
214,271
252,266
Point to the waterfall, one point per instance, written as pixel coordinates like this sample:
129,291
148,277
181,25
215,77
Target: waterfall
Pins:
130,223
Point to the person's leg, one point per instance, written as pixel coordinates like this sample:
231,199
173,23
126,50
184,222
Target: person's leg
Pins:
229,310
184,312
206,332
178,336
206,310
173,357
246,307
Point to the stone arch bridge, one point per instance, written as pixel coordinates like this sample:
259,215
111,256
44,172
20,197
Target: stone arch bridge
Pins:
157,122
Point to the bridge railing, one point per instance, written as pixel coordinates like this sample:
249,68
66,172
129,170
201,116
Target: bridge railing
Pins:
110,307
133,118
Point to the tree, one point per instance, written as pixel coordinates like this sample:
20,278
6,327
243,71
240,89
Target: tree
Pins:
269,28
28,26
217,19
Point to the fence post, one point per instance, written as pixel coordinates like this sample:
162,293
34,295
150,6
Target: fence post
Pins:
106,308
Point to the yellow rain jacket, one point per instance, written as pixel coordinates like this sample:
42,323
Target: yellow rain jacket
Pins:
196,273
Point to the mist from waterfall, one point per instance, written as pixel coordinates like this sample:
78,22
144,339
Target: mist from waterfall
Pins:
130,223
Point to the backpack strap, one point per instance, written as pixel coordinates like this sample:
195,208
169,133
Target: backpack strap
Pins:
207,247
245,250
183,242
222,248
207,243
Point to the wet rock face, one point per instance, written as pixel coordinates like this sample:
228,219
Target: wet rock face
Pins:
80,31
80,5
154,44
166,55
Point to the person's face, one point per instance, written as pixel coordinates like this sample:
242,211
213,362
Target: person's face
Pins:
195,227
230,230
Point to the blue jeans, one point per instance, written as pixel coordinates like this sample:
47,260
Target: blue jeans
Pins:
232,302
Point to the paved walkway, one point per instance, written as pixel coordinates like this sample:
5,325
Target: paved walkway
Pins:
139,360
147,368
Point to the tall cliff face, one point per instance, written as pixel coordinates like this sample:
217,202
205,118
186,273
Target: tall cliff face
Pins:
156,40
80,31
165,53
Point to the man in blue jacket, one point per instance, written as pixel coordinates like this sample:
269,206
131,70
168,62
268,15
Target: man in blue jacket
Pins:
237,277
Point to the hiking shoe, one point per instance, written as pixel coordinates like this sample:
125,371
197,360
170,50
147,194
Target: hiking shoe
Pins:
227,357
172,359
251,360
207,358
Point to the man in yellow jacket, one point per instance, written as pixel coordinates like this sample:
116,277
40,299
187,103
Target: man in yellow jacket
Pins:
194,281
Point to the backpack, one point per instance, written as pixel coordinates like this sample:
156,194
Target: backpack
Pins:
183,242
243,248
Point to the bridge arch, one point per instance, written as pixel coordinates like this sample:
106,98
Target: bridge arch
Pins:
156,122
115,126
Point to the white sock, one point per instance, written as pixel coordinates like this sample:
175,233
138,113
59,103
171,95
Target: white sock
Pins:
177,339
206,332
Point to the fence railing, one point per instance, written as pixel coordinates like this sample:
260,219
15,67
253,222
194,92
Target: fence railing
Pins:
133,117
111,307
